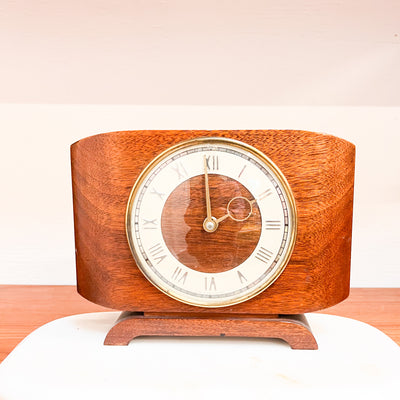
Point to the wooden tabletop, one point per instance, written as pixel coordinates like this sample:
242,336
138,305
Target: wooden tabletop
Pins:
25,308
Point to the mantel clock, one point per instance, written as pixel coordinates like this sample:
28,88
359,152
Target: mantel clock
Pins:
213,233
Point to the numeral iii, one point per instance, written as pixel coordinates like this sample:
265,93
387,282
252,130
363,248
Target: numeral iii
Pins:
272,225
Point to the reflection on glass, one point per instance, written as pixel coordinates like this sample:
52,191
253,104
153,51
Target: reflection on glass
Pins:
238,230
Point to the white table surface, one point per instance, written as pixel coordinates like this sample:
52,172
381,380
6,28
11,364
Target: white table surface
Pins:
66,359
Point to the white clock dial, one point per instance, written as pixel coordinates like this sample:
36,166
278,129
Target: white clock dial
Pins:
211,222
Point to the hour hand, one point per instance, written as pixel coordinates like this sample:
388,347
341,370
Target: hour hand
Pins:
229,212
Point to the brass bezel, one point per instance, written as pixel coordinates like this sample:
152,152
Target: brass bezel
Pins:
264,159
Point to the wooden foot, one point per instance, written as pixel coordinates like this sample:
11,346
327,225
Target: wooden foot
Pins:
293,329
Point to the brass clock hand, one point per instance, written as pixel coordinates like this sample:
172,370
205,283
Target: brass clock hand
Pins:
208,202
209,224
229,213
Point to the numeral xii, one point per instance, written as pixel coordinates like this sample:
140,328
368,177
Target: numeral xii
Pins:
212,163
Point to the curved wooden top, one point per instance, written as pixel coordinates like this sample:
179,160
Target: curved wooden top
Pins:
318,167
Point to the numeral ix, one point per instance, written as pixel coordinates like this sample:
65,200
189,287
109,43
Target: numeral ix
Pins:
149,223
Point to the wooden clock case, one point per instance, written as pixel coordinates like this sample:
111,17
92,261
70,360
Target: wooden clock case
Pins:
320,171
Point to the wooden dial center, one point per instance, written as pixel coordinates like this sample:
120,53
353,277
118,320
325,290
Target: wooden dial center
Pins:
235,237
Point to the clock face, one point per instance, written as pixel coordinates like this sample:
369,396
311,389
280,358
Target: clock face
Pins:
211,222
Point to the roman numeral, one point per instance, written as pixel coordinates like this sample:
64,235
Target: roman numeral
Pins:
159,194
210,284
241,172
273,225
179,276
264,255
264,194
149,223
212,163
156,252
180,170
241,277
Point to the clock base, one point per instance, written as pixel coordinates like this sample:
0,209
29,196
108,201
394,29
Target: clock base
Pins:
293,329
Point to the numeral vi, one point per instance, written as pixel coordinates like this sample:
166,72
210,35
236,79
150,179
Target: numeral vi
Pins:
210,284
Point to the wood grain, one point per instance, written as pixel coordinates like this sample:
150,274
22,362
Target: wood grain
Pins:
293,329
182,225
319,169
25,308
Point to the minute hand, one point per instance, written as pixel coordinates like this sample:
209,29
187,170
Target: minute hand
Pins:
208,202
